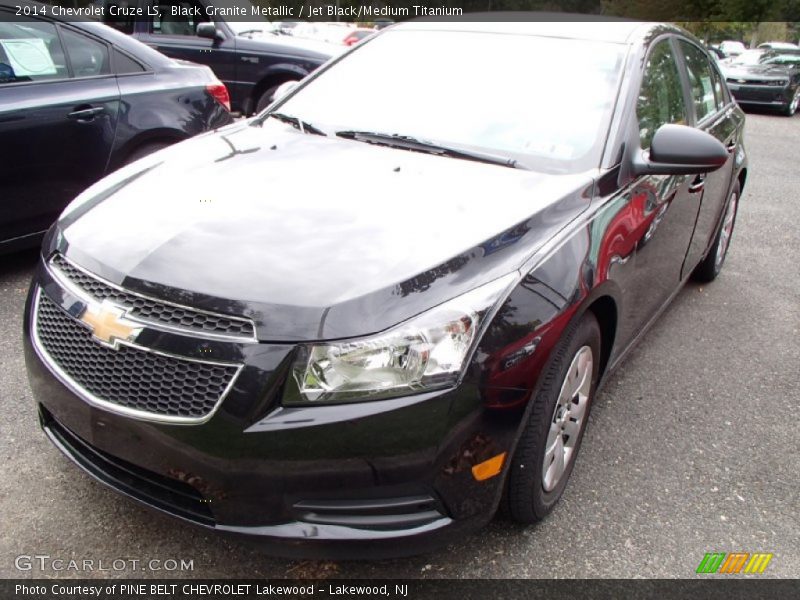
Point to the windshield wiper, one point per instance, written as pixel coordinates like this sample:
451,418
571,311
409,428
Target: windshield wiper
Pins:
408,142
297,123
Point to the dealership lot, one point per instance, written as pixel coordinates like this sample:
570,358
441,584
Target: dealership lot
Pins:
692,446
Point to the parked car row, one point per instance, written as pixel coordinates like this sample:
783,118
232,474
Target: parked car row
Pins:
732,49
79,100
252,59
333,32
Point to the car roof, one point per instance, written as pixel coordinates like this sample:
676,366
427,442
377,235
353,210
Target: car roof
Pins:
561,25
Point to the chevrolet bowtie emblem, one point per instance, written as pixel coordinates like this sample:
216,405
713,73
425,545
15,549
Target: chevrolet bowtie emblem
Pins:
109,325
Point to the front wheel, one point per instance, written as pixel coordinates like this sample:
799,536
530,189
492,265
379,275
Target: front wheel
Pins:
791,107
546,453
268,96
711,265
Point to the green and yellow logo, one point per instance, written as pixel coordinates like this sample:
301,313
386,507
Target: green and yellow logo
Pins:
735,562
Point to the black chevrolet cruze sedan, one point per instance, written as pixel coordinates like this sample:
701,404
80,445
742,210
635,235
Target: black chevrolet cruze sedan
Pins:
78,100
358,323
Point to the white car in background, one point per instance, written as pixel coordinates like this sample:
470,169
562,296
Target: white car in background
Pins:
332,33
267,29
732,48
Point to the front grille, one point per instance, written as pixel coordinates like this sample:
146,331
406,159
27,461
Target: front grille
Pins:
764,82
151,310
757,95
156,490
130,377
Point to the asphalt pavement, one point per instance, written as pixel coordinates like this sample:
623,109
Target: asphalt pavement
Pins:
693,446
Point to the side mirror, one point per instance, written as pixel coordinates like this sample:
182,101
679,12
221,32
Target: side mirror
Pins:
208,30
283,89
680,150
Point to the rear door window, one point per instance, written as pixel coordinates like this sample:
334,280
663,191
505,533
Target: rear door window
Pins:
87,56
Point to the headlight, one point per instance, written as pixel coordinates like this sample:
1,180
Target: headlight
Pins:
425,353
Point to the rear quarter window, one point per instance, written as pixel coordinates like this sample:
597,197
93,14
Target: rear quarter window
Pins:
125,65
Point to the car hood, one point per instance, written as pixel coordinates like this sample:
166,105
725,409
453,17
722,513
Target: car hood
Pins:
313,237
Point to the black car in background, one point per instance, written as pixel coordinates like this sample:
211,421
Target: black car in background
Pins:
77,101
345,373
765,77
251,58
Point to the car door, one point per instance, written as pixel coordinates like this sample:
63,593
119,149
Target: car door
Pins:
663,207
715,113
58,113
171,28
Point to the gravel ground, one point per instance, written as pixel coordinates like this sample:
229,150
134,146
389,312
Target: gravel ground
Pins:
692,447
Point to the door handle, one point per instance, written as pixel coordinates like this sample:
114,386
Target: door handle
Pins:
698,184
86,113
731,147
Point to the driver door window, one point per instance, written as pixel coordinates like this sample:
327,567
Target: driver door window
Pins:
661,98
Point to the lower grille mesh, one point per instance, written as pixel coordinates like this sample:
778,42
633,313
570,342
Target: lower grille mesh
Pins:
129,377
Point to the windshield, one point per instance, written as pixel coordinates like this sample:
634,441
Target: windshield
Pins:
545,102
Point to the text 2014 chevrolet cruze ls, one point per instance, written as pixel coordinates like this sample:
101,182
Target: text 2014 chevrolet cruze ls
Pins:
356,324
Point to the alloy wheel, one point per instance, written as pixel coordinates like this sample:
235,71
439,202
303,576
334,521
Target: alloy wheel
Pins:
567,419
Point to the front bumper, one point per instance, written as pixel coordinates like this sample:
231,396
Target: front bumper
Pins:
384,527
387,478
761,95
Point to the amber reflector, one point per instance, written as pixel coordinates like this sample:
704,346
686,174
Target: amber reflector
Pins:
488,468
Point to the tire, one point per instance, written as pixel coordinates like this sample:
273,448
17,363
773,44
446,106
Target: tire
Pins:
144,150
712,264
532,489
266,98
791,107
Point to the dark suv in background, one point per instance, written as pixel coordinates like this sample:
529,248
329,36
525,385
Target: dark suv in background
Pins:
251,58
